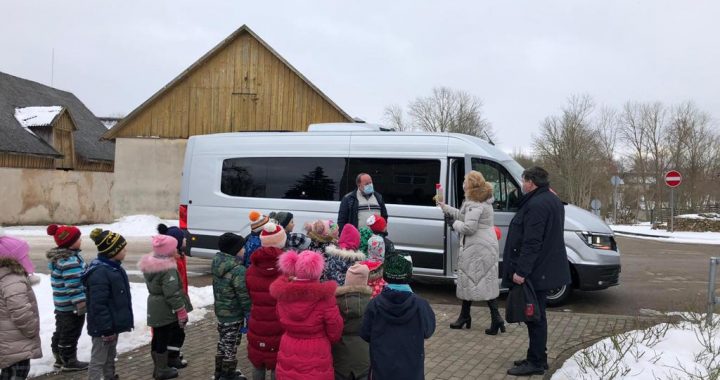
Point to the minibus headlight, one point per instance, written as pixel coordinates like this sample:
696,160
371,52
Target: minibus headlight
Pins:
598,241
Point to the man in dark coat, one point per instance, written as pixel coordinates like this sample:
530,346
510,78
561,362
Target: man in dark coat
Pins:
357,206
535,251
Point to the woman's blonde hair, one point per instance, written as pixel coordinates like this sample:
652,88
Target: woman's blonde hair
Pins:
476,188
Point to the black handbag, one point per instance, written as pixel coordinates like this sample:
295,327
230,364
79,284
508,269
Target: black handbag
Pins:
521,304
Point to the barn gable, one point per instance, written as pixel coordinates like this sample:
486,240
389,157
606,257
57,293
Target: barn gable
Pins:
240,85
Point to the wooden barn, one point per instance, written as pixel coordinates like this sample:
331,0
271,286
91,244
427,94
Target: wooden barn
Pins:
53,164
242,84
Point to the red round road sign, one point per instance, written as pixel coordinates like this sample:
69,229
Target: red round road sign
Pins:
673,178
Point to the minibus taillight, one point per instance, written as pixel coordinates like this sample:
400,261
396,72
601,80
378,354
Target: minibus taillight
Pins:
183,216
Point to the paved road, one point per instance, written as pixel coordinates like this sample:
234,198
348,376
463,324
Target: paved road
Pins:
656,276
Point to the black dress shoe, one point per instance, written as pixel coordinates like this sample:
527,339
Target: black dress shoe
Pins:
526,369
523,361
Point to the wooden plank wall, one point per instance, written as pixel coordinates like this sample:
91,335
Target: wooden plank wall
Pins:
10,160
63,141
94,166
244,87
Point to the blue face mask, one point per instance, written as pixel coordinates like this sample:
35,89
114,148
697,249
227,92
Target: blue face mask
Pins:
368,189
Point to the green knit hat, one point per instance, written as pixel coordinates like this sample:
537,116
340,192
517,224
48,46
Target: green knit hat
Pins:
398,269
365,235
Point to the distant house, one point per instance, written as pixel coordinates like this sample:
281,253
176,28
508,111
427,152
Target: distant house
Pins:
45,128
242,84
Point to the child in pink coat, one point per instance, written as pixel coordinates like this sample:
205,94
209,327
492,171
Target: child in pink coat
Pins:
309,316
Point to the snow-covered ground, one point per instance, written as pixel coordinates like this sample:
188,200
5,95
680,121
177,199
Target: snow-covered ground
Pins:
134,225
672,237
687,350
200,298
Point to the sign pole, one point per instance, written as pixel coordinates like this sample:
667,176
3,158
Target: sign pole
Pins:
672,209
615,181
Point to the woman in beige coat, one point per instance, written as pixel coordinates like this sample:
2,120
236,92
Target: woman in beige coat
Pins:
477,276
19,319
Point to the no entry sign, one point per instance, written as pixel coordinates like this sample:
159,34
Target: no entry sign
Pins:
673,178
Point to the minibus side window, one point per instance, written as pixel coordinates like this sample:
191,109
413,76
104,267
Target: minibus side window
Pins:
308,178
505,191
400,181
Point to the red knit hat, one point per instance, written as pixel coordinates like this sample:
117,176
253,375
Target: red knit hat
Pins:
376,223
64,236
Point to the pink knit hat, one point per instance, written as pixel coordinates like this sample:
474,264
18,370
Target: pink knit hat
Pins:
273,235
357,275
349,238
16,249
163,245
306,266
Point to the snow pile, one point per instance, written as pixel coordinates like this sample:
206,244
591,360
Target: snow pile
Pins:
140,336
704,216
687,350
36,116
644,231
134,225
109,123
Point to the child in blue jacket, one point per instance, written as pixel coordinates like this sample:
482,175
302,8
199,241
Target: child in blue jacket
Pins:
66,268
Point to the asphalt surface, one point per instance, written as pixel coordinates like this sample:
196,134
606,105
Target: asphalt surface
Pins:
656,276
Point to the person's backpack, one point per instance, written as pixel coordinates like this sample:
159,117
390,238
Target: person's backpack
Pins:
521,304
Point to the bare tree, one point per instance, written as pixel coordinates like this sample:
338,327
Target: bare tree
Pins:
633,135
654,124
393,116
570,147
449,110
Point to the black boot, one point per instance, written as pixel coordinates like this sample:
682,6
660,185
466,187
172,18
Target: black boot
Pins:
218,366
229,372
496,321
68,355
175,361
58,361
161,370
464,319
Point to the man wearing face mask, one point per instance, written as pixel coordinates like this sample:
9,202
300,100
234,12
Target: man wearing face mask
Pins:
535,251
357,206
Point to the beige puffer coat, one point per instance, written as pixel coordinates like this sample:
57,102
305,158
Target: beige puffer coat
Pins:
479,251
19,319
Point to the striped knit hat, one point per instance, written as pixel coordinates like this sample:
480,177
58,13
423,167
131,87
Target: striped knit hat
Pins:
108,243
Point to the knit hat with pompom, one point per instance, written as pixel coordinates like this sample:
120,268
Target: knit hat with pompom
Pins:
108,243
65,236
257,221
305,266
273,235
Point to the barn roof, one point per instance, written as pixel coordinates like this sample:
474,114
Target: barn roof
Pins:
18,93
112,133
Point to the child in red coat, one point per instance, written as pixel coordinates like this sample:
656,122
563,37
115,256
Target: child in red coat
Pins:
310,317
264,329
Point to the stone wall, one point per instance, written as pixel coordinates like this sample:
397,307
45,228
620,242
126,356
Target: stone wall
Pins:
41,196
147,176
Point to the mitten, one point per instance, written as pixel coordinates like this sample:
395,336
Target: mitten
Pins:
80,308
182,317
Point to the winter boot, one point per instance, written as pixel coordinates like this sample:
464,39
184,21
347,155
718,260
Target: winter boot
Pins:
218,366
68,355
464,319
58,361
496,321
175,360
162,371
228,371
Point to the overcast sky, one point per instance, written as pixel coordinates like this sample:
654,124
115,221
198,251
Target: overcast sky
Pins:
522,58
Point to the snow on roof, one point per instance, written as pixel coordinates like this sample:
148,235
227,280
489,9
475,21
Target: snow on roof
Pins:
109,123
36,116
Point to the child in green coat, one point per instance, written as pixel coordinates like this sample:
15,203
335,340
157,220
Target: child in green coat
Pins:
232,303
167,305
